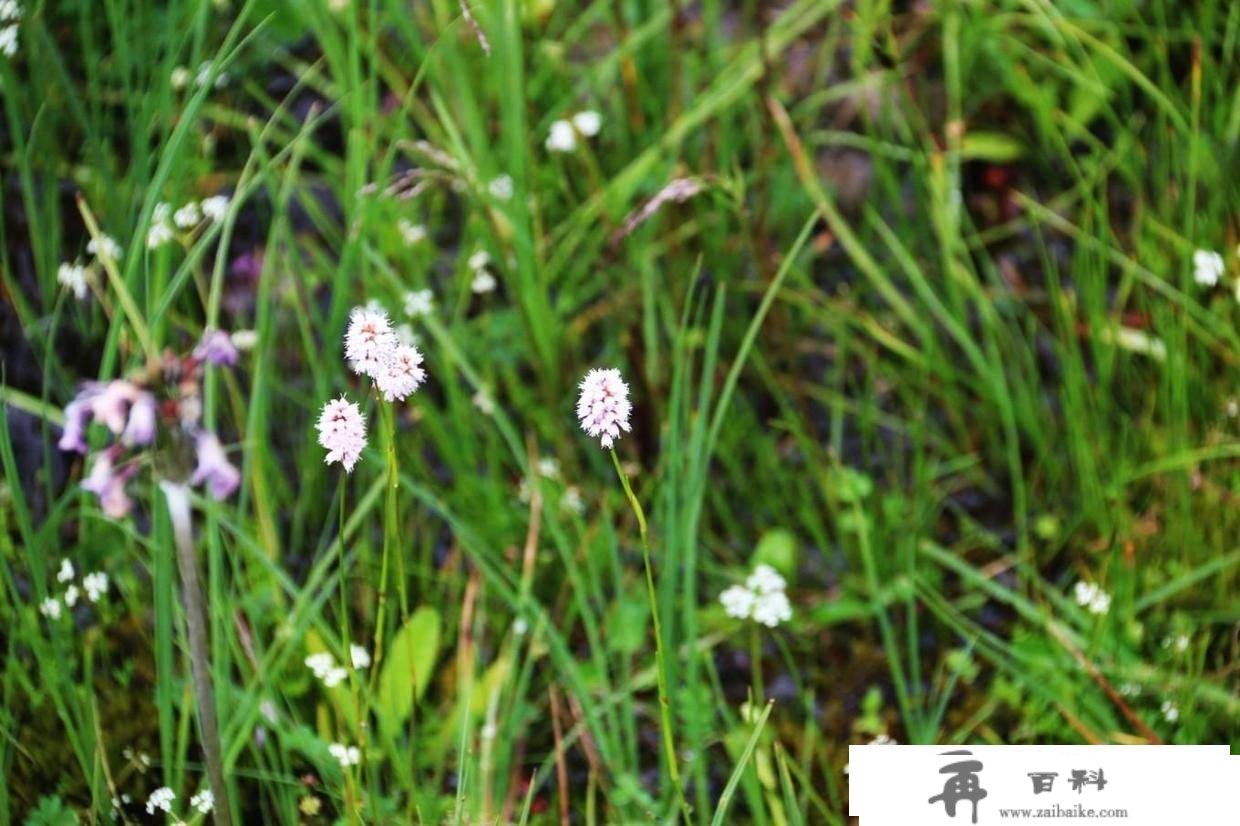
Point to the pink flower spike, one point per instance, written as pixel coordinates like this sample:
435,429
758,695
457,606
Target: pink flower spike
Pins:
221,476
402,374
603,406
369,342
342,431
109,485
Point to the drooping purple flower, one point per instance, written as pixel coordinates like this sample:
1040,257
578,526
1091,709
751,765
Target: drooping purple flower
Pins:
140,429
221,477
108,483
216,347
77,417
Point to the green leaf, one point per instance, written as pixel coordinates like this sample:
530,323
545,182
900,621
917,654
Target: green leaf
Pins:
408,664
51,811
777,548
626,626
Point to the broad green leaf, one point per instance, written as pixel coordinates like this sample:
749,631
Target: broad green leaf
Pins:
408,664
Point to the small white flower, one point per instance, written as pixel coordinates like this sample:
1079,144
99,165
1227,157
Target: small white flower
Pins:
335,676
1170,711
50,608
520,626
419,303
1091,597
66,572
549,467
501,188
737,601
188,216
413,234
406,336
73,278
765,580
483,282
483,401
562,137
204,801
603,406
588,122
1130,689
359,655
572,501
346,755
488,731
884,740
1207,267
105,247
159,234
8,41
161,799
96,585
402,374
369,341
1180,643
479,260
342,431
216,207
179,77
245,339
71,596
320,663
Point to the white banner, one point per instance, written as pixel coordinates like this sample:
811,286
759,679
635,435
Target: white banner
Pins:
892,785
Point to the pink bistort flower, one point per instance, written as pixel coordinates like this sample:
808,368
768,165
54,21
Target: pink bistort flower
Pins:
342,431
369,342
603,407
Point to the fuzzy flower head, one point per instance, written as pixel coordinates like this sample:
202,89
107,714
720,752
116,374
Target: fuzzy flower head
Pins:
402,374
737,601
603,406
419,303
105,247
369,342
342,431
561,137
203,802
216,347
216,207
1207,267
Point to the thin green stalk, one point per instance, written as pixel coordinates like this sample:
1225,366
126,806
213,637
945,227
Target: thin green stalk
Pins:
177,498
665,706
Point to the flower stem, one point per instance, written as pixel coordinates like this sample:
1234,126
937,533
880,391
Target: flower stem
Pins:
665,707
177,498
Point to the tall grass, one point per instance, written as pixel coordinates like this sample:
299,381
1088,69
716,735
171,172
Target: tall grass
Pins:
927,340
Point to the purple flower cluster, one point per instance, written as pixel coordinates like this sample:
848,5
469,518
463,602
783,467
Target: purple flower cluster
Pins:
133,410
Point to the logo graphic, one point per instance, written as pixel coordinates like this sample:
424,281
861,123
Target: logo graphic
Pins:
1042,781
962,785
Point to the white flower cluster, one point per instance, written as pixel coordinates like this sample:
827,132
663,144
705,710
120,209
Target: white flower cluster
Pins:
324,667
160,799
603,406
1170,711
94,584
165,220
564,133
483,281
419,303
75,276
1207,267
1091,597
501,188
346,755
10,16
761,598
204,801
